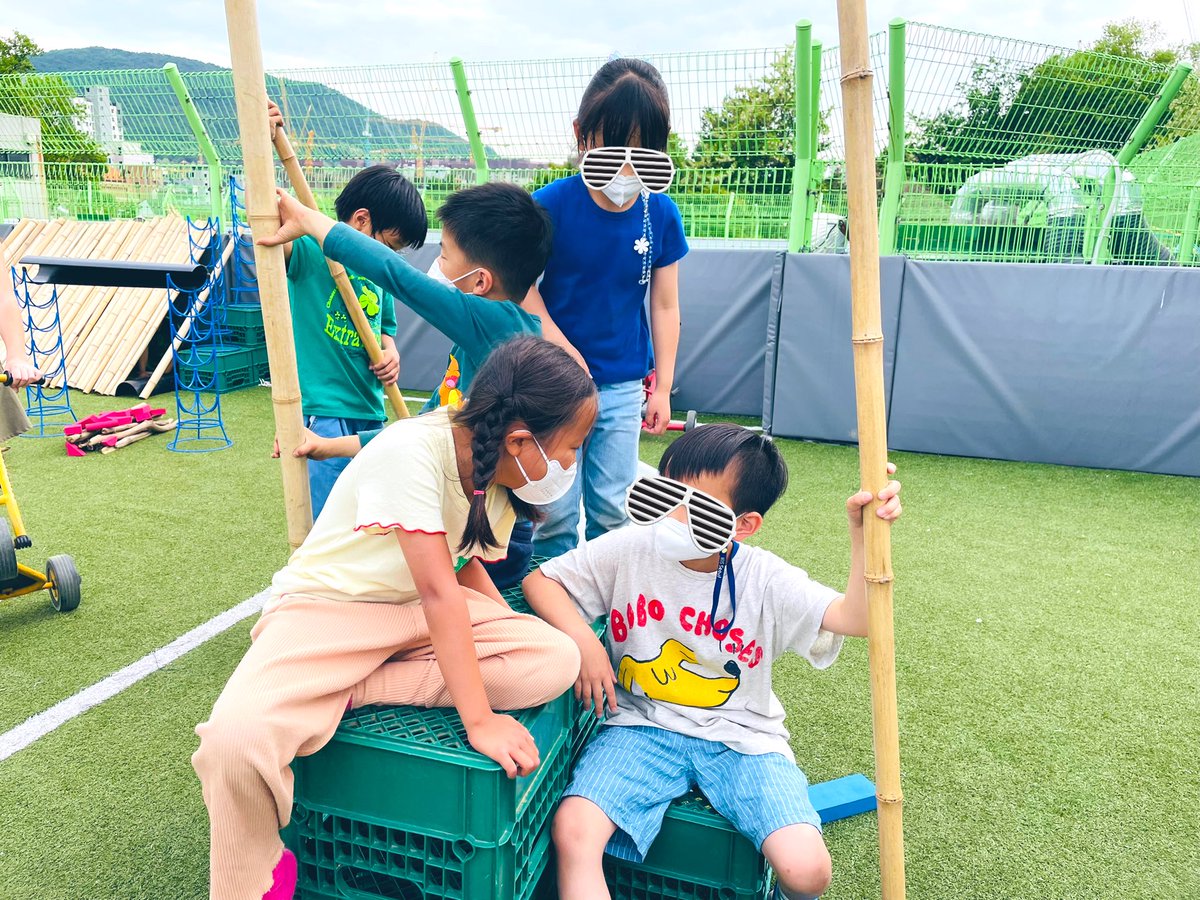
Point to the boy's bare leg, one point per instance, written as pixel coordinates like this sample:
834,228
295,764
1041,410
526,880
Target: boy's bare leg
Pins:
581,831
797,854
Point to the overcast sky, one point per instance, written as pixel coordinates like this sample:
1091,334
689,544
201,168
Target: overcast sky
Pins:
358,32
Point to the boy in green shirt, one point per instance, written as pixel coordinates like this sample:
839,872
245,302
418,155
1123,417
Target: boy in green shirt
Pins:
495,243
341,392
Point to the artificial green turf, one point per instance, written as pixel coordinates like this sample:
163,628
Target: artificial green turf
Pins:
1047,652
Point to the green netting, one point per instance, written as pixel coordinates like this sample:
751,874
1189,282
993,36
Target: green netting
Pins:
1010,145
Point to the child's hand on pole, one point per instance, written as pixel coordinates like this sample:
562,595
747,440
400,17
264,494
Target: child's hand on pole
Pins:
889,498
295,221
275,117
387,370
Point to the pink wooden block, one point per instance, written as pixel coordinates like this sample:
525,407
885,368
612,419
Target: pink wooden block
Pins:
72,450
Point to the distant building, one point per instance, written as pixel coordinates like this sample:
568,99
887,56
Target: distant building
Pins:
100,119
22,174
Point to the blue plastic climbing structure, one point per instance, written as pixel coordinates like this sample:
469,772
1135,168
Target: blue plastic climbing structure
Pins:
48,407
199,315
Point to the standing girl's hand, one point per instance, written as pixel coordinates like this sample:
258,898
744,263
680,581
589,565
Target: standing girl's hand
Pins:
658,412
505,740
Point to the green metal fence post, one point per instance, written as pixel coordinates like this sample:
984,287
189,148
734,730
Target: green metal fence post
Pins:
1146,125
801,212
893,183
469,122
1187,240
207,150
816,174
1137,139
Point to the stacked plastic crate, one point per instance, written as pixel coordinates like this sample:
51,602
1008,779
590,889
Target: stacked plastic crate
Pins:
399,806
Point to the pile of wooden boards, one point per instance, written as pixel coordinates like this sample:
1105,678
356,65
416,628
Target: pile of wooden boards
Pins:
110,431
105,330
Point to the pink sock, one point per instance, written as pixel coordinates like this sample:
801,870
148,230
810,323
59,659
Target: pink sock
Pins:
283,879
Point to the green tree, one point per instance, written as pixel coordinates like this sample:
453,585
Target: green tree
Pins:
23,92
17,53
747,143
1069,103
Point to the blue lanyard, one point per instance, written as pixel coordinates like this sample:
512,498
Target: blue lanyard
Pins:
725,561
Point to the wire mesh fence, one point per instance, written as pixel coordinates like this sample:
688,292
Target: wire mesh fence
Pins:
1011,152
1011,148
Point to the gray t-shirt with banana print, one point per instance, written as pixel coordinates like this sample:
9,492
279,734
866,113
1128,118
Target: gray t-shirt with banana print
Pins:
672,671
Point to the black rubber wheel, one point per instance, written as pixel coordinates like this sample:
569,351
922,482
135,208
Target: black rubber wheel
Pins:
8,553
690,422
64,582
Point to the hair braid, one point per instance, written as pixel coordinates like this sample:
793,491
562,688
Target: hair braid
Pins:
487,439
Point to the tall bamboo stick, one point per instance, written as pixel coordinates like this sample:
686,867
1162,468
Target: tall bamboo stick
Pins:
250,91
304,194
867,336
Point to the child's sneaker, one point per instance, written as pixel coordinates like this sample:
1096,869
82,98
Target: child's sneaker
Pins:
283,878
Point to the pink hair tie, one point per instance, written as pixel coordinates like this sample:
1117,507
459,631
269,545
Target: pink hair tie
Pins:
481,493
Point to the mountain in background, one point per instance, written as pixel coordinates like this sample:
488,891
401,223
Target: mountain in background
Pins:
344,131
83,59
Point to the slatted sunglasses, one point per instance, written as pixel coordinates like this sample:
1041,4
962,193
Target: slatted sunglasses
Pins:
711,523
653,168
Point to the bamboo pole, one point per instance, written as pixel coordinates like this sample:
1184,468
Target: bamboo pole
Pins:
126,334
262,213
186,326
110,317
107,317
304,194
867,337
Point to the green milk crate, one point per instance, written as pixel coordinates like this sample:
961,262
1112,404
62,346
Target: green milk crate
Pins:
413,769
698,855
262,366
227,369
244,322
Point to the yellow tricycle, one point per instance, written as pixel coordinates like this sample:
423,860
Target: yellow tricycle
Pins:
61,577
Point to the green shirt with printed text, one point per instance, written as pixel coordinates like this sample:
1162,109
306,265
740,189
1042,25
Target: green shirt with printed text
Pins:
335,375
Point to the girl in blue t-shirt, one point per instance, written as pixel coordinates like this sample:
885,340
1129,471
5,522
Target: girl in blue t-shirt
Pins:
617,239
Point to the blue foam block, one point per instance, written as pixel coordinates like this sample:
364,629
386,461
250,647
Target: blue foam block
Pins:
842,797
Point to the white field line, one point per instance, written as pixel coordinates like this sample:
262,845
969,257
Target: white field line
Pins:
43,723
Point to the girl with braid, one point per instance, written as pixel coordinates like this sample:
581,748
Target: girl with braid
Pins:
387,602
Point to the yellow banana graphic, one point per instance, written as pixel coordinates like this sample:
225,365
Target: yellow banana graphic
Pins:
665,679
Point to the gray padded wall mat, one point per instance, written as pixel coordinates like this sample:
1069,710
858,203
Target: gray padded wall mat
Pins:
814,363
1060,364
724,299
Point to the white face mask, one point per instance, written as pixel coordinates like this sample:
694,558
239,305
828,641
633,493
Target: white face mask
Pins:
550,487
436,273
622,189
673,541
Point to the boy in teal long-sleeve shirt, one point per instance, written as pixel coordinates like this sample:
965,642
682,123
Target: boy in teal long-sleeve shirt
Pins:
495,243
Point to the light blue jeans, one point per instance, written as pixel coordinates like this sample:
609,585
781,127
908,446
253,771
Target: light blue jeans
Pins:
608,464
322,475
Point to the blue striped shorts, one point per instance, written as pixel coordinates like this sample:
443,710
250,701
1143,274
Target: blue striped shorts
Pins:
633,773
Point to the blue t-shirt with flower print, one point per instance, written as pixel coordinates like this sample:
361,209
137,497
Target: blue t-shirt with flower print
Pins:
592,283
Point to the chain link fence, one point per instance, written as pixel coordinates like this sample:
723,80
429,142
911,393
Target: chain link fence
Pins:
1013,151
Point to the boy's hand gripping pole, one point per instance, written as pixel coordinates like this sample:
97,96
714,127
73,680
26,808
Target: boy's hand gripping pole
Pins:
283,147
